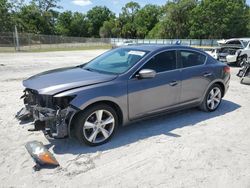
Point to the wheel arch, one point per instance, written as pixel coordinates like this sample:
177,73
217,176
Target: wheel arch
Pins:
112,104
220,83
244,55
222,87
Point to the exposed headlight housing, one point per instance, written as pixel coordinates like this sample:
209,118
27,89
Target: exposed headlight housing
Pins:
63,102
40,155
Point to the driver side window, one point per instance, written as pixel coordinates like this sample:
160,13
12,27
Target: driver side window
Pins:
162,62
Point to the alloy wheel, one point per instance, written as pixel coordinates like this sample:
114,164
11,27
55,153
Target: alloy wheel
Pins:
98,126
214,98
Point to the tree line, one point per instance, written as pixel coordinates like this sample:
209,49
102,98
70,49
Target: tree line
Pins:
176,19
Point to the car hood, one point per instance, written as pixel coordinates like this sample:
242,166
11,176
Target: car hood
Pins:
58,80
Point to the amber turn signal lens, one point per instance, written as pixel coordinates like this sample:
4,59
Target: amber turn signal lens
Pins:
48,159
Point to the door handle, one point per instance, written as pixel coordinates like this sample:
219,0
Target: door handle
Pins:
206,74
173,83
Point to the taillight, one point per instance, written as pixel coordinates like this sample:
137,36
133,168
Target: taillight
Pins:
226,69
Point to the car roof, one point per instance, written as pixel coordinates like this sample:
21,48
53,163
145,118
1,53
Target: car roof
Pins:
155,47
243,39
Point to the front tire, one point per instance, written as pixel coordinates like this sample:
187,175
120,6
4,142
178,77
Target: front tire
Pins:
212,99
96,125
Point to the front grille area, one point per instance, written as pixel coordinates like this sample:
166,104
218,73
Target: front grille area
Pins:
33,98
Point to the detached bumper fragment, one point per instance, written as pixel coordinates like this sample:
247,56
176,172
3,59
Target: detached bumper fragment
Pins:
41,156
24,114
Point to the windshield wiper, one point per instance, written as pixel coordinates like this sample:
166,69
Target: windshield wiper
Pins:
94,70
89,69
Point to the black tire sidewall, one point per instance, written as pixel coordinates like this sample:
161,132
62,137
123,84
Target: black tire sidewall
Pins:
81,118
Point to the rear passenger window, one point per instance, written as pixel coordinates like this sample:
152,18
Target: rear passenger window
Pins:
235,42
189,58
164,61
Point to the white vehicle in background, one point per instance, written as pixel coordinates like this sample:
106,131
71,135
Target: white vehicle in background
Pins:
240,55
214,52
124,43
234,51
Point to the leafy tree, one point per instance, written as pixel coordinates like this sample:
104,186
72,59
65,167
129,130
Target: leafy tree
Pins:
219,19
175,22
157,32
79,25
31,19
248,21
46,5
96,17
63,23
109,29
5,16
37,17
146,18
15,5
176,19
127,18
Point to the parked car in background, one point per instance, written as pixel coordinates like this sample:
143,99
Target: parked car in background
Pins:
124,43
241,55
214,52
123,85
234,51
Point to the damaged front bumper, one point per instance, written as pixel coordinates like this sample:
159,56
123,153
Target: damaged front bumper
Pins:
54,122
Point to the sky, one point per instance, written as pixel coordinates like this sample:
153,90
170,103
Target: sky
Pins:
114,5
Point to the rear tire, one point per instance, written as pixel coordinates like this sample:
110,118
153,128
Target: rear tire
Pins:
212,99
96,125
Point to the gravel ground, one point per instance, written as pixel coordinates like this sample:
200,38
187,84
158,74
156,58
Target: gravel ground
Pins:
184,149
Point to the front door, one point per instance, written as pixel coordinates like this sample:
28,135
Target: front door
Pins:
146,96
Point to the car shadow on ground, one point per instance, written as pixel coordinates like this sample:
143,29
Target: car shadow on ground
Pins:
163,124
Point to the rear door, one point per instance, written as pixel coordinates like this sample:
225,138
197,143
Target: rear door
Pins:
146,96
195,75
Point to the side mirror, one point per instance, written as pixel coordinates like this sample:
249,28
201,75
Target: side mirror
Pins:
146,74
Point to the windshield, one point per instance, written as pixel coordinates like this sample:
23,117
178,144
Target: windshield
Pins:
115,61
245,43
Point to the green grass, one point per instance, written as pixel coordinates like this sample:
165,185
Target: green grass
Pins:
108,46
6,49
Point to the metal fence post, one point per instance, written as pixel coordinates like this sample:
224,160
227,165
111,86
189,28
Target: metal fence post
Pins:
50,41
14,41
17,39
40,42
29,40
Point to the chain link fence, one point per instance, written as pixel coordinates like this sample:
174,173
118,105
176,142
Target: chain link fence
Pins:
35,42
188,42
